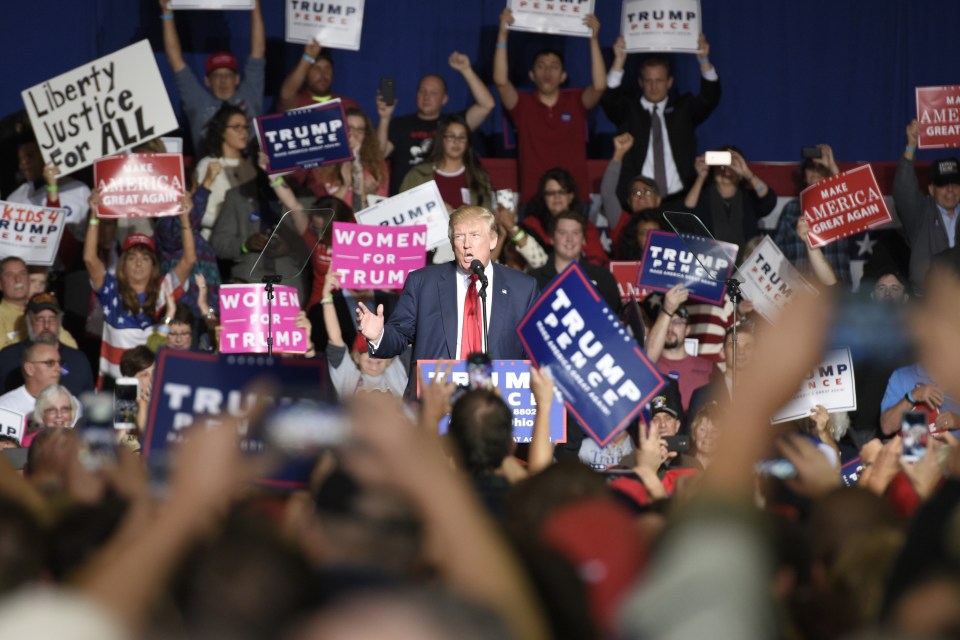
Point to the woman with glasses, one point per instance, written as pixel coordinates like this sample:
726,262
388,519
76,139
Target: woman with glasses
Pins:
730,199
454,165
557,192
56,408
227,166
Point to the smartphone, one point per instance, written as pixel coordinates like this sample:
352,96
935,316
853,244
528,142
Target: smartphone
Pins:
479,371
388,91
809,153
914,431
718,158
777,468
305,429
98,439
678,444
125,395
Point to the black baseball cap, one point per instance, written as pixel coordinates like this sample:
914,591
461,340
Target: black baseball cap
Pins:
945,172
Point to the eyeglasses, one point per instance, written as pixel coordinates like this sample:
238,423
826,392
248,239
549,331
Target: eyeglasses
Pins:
556,193
644,193
678,320
239,127
357,129
180,334
57,411
882,289
454,138
49,363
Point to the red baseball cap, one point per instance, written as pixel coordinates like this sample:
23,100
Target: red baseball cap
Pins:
136,240
221,60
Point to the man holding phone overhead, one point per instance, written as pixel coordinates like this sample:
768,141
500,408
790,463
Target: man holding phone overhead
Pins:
406,139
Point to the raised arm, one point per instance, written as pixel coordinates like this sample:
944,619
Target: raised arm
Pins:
818,262
294,80
612,208
285,194
598,71
188,259
693,196
258,37
484,104
171,40
541,449
95,267
501,73
385,111
672,301
906,190
330,320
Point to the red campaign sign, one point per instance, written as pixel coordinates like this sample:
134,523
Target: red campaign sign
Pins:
938,114
843,205
139,185
626,273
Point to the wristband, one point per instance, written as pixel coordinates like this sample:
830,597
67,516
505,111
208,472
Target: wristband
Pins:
703,60
52,188
326,300
166,16
909,398
520,236
244,249
94,222
910,149
163,330
758,187
501,45
279,182
664,309
309,58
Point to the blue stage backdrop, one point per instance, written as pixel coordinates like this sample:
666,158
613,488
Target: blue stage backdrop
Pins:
794,73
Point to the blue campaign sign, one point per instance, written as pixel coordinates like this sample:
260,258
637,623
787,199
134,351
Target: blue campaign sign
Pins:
304,138
604,377
670,259
188,385
512,378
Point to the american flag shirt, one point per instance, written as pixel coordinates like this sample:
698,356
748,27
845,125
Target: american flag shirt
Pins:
123,329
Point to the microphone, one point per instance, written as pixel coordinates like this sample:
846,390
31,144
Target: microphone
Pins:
477,267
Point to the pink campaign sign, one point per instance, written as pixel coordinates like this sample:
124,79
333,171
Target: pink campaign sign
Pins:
377,257
243,316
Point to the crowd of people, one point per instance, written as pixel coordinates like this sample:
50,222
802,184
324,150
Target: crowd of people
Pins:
700,519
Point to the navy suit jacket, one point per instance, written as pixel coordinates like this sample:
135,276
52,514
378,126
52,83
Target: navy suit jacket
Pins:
427,317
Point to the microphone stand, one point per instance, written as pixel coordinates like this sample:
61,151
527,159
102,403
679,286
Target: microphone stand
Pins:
735,295
268,282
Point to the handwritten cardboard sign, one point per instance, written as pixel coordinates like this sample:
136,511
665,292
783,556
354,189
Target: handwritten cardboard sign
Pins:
100,108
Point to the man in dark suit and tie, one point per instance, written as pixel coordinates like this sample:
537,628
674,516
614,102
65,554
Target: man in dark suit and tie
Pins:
439,311
664,129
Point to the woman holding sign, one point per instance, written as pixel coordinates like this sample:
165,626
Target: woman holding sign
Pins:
134,298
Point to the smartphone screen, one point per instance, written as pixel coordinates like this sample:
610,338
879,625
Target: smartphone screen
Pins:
718,158
125,403
914,431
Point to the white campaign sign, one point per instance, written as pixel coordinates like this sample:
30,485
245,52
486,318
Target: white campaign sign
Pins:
241,5
332,24
11,424
769,279
562,17
661,25
100,108
831,384
420,205
30,232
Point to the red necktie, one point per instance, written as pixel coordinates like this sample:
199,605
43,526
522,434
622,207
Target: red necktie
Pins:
470,340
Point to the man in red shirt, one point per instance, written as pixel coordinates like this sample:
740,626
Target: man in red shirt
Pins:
551,123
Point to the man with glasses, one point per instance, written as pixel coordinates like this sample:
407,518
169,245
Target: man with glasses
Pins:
41,365
221,79
43,324
665,346
407,138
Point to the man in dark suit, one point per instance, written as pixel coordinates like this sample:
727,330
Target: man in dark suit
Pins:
664,153
439,312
